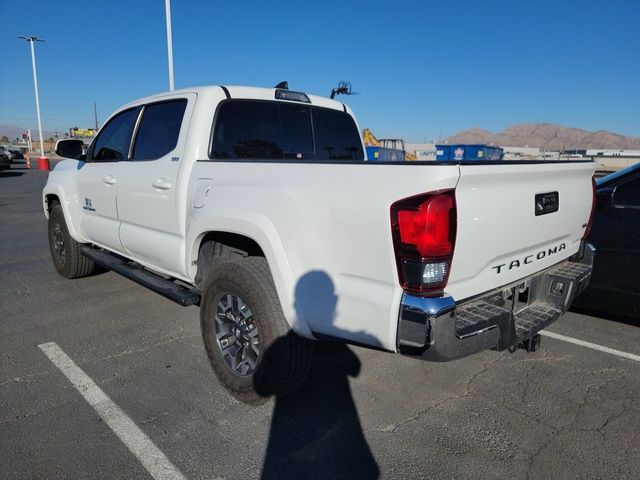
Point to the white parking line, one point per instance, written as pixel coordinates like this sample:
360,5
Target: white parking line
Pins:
594,346
140,445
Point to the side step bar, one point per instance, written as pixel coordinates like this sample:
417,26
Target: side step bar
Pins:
167,288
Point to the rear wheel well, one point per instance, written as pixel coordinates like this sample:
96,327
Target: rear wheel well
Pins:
216,246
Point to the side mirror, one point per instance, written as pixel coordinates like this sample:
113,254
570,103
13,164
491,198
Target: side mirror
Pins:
70,148
604,197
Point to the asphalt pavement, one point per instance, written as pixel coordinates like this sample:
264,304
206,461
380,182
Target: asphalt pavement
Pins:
566,411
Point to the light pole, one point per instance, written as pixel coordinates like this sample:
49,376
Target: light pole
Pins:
32,39
167,9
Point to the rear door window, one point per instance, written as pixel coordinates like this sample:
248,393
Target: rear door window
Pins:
159,129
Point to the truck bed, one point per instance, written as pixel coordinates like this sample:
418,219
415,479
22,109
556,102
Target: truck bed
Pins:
328,229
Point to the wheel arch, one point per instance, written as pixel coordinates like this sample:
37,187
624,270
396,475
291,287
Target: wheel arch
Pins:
49,200
211,245
52,196
216,245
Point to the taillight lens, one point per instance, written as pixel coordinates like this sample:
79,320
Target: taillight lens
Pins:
587,230
424,232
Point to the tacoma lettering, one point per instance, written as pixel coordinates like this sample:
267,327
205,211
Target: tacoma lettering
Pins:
516,263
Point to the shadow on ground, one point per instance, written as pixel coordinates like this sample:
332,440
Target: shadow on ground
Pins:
316,432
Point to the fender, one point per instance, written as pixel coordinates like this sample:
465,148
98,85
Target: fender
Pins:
261,230
52,188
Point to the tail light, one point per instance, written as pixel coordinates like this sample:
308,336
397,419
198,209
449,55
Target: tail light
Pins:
424,234
587,230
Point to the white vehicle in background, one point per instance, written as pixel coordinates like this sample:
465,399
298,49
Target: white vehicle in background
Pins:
260,206
13,152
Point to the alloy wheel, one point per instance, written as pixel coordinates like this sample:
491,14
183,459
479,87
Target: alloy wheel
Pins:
237,334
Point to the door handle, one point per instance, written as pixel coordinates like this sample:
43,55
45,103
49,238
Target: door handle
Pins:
161,184
109,180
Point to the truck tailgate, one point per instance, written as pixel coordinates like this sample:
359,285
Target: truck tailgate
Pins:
500,239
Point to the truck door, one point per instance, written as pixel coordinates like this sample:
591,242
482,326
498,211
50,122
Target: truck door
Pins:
616,272
150,229
98,178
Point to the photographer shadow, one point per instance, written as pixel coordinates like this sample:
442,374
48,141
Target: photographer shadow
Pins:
316,431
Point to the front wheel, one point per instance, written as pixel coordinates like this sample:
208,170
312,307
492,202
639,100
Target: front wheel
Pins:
65,251
250,346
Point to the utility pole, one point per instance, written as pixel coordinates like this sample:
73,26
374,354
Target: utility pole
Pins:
32,39
95,115
167,9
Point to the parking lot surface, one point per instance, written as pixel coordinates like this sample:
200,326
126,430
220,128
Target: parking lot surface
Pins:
565,411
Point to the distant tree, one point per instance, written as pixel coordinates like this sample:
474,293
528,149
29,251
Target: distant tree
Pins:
49,140
66,134
4,139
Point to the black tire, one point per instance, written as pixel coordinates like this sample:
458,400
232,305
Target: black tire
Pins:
284,358
65,251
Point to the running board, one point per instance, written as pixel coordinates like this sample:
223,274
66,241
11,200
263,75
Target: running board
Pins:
167,288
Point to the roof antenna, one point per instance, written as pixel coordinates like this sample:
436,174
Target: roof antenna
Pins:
283,85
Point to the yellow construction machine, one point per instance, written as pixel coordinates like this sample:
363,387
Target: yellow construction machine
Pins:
385,147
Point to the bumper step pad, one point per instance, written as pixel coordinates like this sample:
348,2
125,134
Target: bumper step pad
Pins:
533,319
478,317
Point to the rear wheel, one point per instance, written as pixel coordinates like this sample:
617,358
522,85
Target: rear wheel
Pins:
65,251
250,346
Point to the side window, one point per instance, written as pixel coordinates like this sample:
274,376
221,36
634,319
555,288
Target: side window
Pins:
159,129
336,135
113,142
628,194
247,129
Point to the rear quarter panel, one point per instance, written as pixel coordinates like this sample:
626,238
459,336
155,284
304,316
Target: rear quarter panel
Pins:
325,230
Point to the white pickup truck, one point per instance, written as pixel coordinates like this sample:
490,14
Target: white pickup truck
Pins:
259,205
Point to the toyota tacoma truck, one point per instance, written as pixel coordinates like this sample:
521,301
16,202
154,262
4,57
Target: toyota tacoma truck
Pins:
260,206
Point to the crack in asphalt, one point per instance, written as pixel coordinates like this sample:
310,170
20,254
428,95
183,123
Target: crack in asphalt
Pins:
130,351
467,392
584,401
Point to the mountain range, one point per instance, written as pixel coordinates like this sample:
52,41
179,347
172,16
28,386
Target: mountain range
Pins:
541,135
548,136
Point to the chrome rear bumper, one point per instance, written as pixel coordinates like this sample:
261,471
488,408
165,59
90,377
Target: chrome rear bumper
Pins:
438,329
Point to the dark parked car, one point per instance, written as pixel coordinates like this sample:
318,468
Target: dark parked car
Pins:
615,282
5,161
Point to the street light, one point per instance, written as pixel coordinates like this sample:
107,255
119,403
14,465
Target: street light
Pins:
167,9
32,39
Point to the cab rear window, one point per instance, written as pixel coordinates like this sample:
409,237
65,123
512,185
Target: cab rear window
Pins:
252,129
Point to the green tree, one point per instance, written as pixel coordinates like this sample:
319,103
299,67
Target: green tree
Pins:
4,139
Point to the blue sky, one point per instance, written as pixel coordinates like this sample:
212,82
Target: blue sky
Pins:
423,68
